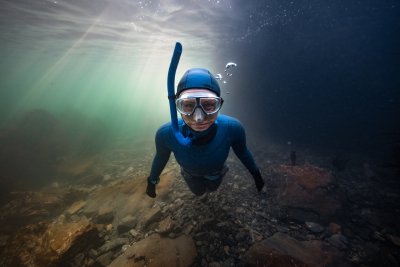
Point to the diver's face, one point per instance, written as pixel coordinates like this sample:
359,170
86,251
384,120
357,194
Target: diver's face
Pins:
199,121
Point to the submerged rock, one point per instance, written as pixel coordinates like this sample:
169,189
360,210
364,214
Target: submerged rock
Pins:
305,187
314,227
338,241
105,259
157,251
51,244
260,256
166,225
281,250
113,245
31,207
74,208
115,203
126,224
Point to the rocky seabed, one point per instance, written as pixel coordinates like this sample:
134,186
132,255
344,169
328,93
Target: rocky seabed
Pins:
307,216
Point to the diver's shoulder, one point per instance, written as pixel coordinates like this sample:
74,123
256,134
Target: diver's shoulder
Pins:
166,128
228,120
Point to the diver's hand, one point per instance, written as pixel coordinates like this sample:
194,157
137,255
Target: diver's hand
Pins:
258,180
151,189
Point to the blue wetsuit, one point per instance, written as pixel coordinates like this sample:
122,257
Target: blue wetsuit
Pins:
205,157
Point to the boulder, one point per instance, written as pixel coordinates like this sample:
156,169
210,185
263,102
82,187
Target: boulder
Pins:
52,244
304,187
157,251
281,250
31,207
117,202
260,256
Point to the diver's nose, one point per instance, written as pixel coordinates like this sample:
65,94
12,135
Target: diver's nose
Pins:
198,115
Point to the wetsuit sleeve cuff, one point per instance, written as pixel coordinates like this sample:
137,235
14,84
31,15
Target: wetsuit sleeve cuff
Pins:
153,180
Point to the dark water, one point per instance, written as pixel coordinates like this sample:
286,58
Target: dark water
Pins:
327,77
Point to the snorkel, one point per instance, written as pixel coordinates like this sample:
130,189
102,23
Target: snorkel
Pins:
171,95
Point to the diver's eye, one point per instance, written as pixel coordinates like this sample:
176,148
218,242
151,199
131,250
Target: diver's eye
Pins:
209,105
188,105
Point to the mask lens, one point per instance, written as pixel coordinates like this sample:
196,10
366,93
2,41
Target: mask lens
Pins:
186,105
210,105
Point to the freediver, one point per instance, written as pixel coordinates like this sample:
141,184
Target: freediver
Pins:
201,140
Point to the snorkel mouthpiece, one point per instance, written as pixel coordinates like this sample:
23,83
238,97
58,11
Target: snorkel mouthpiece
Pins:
171,95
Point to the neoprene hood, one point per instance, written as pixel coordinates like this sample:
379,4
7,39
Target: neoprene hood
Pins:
198,78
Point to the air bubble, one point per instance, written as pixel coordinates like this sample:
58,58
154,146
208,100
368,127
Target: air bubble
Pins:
230,66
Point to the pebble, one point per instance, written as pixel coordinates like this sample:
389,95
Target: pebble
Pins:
113,244
338,241
124,248
93,253
133,233
109,227
105,259
226,249
314,227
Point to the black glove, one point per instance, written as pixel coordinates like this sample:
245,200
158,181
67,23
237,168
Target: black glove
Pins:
151,189
258,180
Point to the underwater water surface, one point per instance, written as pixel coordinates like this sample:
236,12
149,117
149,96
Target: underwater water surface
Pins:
83,90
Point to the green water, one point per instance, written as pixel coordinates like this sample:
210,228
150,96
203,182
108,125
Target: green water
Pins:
126,93
106,61
66,105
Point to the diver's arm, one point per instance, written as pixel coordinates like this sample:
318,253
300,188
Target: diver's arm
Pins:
160,160
240,148
245,156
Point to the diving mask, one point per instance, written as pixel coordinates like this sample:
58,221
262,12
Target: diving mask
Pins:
209,105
